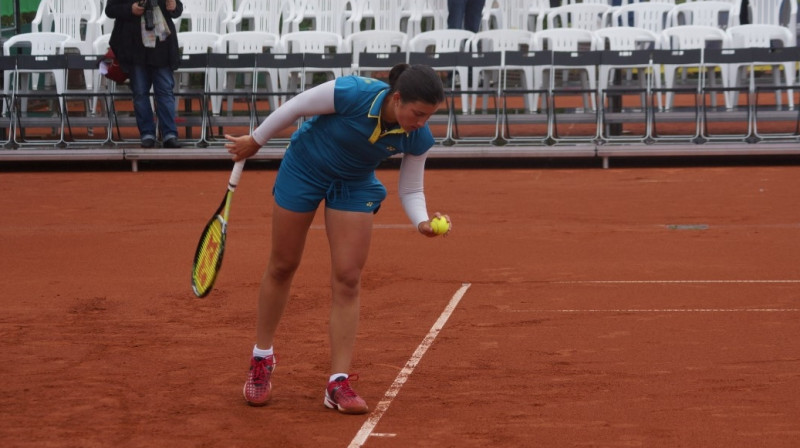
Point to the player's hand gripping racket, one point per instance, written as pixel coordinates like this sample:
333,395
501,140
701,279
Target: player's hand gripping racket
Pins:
208,257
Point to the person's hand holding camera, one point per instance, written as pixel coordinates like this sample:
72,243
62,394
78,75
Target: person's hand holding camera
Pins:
138,8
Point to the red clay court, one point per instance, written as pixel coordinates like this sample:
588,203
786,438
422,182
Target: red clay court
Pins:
641,306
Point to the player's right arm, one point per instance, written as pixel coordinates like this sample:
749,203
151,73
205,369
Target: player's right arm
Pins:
315,101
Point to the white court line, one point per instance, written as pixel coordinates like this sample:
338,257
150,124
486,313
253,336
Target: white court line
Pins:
661,282
374,226
667,310
405,373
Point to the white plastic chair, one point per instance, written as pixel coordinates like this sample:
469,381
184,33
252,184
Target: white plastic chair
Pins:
205,16
703,13
648,15
374,41
196,43
493,15
246,42
774,12
761,36
76,18
525,14
501,40
446,41
262,16
416,13
103,24
565,39
623,39
311,41
25,80
40,44
736,8
100,82
583,16
688,37
325,15
383,15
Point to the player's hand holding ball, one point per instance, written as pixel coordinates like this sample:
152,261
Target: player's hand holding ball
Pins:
438,225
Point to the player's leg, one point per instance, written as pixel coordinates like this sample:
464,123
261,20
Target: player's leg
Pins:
349,234
289,230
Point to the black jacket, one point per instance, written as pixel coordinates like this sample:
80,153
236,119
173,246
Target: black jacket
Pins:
126,37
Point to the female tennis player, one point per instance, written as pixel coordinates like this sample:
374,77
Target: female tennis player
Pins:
357,123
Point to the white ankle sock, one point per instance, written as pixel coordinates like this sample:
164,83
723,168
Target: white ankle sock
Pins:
337,375
262,353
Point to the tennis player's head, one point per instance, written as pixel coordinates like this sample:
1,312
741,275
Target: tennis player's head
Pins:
416,92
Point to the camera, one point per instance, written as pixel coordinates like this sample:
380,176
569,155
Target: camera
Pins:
148,6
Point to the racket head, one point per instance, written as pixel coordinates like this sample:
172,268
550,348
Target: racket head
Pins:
208,256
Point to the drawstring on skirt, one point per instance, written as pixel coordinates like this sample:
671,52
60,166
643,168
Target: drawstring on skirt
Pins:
337,190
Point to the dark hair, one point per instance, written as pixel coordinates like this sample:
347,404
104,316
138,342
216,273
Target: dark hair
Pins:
416,83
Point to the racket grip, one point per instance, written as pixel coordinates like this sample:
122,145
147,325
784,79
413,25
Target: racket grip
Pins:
236,174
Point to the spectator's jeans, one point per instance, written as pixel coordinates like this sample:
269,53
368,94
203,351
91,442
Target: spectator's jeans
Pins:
161,79
465,14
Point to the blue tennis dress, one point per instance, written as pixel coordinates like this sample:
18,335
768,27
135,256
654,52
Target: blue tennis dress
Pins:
334,157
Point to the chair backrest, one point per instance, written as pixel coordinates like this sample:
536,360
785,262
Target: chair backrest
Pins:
327,15
757,35
374,15
502,40
704,13
311,41
519,13
72,17
564,39
376,41
442,41
240,42
493,15
578,16
40,43
206,15
687,37
649,15
100,45
197,42
385,13
434,9
263,15
772,12
626,38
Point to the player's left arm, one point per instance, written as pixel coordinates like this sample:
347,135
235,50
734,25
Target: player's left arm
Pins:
412,193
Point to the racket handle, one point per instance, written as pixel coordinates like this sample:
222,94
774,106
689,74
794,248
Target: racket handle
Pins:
236,174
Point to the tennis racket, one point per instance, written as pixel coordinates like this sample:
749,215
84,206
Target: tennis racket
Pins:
208,257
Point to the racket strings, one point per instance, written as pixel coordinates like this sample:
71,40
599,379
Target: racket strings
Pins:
208,257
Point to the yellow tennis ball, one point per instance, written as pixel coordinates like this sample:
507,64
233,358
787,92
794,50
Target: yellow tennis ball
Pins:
440,225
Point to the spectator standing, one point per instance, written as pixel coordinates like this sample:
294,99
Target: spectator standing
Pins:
465,14
145,43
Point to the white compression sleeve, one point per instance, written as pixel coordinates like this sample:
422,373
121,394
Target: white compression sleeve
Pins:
315,101
410,188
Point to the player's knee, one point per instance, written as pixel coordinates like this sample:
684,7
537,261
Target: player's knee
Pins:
347,281
282,271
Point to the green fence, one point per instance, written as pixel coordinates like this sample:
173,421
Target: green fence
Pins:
7,6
